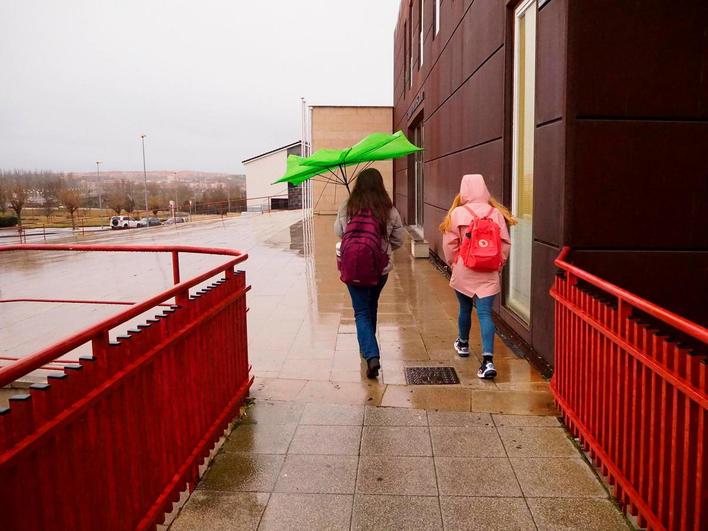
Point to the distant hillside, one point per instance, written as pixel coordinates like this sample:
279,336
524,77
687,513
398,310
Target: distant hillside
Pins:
161,175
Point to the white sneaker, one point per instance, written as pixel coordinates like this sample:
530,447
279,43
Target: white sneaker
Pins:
486,370
462,348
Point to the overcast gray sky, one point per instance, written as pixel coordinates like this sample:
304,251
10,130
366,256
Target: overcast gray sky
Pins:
210,82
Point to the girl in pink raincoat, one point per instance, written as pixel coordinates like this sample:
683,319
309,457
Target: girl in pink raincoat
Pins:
478,287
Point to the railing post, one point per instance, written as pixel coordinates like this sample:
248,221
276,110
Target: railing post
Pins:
182,296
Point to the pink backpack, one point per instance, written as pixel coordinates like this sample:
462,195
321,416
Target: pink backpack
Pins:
363,258
481,243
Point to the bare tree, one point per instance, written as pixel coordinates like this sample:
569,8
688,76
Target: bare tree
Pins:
3,193
49,188
155,204
71,201
18,198
116,196
129,203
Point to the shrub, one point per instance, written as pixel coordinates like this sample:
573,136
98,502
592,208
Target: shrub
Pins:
8,221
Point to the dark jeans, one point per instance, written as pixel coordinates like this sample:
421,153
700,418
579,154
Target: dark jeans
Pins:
365,301
484,314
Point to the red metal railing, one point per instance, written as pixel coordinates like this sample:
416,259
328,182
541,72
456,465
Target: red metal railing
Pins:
111,440
630,381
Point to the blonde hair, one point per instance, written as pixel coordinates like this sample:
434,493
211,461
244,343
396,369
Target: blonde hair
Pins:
446,224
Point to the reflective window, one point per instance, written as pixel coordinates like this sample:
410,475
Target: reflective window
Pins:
436,15
518,287
421,36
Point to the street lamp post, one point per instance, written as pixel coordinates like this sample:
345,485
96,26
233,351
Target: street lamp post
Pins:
98,185
145,179
174,174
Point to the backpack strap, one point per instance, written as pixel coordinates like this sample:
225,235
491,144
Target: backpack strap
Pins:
489,214
469,209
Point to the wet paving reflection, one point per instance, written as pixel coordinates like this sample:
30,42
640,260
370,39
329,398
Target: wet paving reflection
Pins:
302,341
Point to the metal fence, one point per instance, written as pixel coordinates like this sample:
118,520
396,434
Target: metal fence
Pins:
630,381
110,441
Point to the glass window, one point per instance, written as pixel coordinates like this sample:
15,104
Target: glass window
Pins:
410,45
406,57
421,36
518,287
436,15
418,168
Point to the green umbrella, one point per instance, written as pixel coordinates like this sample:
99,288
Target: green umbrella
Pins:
330,164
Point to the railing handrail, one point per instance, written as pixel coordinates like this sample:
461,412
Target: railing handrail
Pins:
35,361
674,320
124,248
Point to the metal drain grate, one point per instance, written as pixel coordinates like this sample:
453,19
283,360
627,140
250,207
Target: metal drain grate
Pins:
431,376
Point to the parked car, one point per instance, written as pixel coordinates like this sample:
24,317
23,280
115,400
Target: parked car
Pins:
123,222
149,222
172,221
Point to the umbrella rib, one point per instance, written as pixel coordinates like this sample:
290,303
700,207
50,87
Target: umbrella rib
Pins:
326,177
320,197
335,175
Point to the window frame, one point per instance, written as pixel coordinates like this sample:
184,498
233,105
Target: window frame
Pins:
519,144
421,33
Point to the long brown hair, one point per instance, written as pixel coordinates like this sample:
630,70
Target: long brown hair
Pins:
370,194
446,224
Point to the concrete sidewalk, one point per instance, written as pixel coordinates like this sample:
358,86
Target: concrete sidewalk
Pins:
322,447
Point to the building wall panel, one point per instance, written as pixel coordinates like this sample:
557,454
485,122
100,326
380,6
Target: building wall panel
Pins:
641,58
543,274
551,61
639,185
548,184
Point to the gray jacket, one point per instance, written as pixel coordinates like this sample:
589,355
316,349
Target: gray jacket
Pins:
395,229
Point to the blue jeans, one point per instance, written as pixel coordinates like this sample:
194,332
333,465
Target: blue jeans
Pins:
365,301
484,314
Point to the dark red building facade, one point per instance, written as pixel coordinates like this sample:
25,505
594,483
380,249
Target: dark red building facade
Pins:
588,117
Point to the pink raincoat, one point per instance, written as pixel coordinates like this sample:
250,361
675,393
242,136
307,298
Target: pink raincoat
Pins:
473,192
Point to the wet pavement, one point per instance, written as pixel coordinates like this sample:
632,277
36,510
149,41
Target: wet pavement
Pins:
322,447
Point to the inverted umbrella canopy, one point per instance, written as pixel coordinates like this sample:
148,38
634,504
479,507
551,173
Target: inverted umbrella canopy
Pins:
331,163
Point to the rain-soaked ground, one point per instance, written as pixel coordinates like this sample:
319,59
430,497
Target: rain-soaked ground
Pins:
28,326
322,447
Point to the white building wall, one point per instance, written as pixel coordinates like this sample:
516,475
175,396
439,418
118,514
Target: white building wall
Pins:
260,173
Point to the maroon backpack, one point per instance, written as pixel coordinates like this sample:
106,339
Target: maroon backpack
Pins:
363,258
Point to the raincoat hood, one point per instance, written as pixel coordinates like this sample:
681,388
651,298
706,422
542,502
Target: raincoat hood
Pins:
473,189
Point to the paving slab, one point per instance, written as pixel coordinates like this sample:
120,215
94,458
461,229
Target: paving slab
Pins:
459,418
557,478
525,420
242,472
396,512
391,416
329,440
477,441
318,474
513,402
221,511
471,476
484,514
412,476
427,397
333,415
568,514
273,412
537,442
299,512
261,438
396,441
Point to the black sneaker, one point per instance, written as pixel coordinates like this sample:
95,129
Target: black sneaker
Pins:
462,347
372,368
486,370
